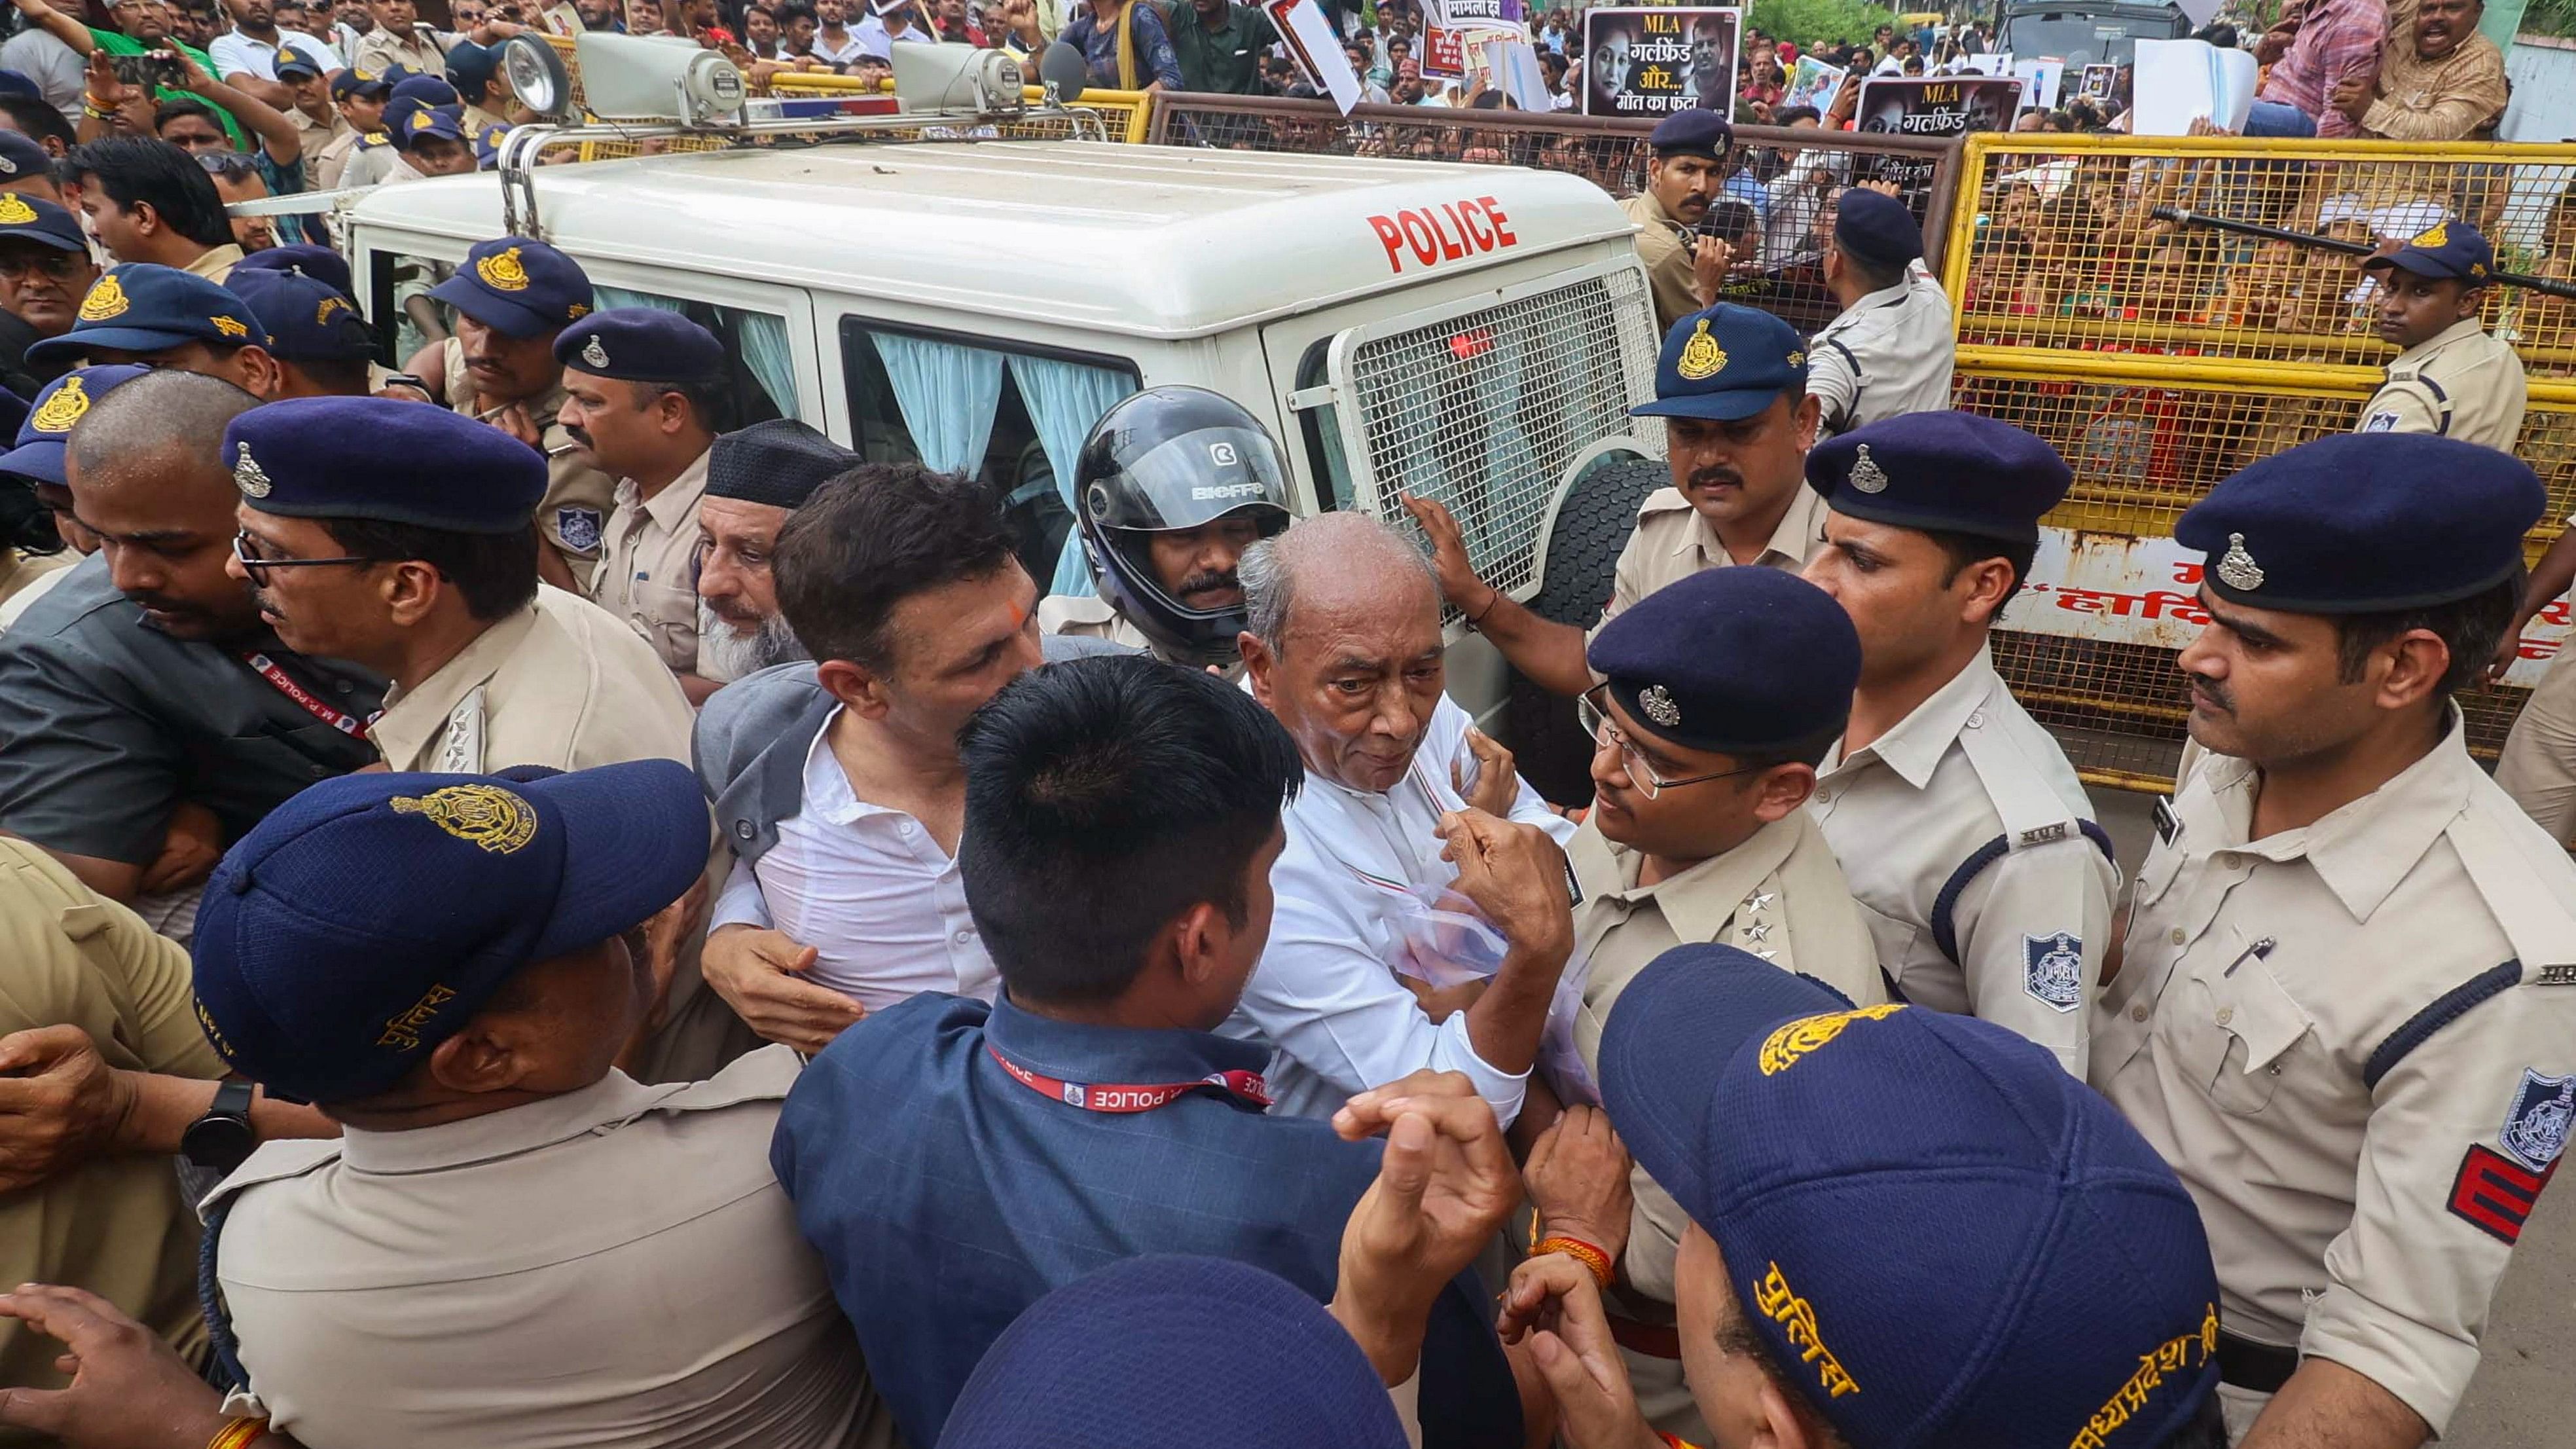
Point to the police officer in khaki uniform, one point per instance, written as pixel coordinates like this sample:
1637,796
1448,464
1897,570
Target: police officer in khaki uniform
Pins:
1730,386
396,536
1720,693
2453,378
1172,485
1891,350
513,296
2346,1009
514,1243
1967,837
641,389
364,92
94,997
1683,179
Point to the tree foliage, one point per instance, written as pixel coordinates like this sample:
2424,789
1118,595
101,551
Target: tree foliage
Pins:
1814,22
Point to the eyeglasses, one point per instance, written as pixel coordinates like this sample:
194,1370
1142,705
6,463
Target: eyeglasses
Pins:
1605,731
257,567
226,164
51,264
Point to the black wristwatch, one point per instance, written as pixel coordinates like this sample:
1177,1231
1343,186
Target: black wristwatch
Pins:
222,1138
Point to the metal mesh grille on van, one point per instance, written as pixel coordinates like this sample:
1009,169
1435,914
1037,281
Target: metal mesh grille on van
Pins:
1485,411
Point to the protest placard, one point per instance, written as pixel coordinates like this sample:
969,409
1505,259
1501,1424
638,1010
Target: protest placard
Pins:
2040,81
1938,109
1651,61
1814,83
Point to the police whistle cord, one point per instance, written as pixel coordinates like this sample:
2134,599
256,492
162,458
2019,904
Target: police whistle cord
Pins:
2546,285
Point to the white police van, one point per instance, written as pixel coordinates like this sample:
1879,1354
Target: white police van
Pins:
1469,333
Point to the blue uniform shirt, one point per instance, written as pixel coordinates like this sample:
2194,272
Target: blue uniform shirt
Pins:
947,1196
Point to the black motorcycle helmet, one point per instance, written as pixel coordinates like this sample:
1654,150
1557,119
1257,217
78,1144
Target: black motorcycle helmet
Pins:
1162,461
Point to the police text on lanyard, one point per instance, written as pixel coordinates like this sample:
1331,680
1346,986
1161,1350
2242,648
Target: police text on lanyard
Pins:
1247,1087
266,668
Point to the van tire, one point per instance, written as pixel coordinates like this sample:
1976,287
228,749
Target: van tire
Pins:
1592,525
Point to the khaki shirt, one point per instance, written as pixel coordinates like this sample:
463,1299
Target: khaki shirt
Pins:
2465,384
578,497
317,135
1672,542
1668,263
332,161
644,575
614,1265
1086,616
380,50
1779,895
217,265
1892,352
1965,822
560,683
371,162
20,572
2293,1028
115,1225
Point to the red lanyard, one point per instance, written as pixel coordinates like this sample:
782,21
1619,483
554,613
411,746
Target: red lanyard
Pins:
1131,1097
266,668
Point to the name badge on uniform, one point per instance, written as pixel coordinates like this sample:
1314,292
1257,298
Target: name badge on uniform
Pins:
2168,825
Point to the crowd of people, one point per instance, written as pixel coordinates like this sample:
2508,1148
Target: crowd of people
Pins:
542,915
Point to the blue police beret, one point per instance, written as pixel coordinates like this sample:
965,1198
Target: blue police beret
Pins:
1876,228
294,60
641,344
409,118
1726,363
779,462
320,263
520,286
427,89
21,155
34,219
1166,1352
1940,1236
1953,472
144,307
369,918
59,407
471,66
19,83
354,81
1736,660
308,320
2447,249
384,458
2361,523
1691,133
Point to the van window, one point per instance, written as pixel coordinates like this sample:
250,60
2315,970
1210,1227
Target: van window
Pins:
762,384
1014,418
1323,429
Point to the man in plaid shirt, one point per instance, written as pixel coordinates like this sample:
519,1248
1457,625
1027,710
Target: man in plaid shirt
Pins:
2337,40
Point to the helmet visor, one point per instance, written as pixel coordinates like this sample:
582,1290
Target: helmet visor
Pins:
1191,479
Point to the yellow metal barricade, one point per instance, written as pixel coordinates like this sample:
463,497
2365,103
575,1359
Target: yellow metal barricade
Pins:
2159,357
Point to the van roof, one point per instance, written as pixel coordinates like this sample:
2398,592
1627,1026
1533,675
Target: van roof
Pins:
1160,241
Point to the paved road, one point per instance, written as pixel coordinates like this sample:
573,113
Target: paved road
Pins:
2520,1398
